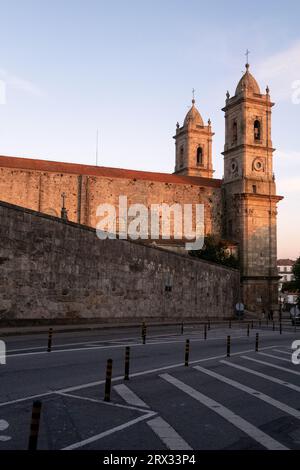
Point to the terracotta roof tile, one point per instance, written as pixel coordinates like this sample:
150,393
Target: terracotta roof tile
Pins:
285,262
106,172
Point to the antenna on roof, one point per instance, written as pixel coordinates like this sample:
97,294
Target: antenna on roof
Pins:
97,145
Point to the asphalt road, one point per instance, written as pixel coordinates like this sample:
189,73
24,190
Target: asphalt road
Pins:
247,401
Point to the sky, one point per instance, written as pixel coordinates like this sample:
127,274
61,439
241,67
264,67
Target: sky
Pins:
127,68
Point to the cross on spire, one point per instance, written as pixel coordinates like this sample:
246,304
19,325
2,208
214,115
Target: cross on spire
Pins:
247,55
193,92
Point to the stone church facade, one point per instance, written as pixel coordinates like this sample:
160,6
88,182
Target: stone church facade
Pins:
240,208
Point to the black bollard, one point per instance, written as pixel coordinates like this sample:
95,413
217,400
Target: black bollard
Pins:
127,359
35,425
50,340
187,352
108,380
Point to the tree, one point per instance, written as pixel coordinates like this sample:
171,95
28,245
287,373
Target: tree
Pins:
215,250
294,285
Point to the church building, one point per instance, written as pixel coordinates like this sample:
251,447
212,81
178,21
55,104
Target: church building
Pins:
241,208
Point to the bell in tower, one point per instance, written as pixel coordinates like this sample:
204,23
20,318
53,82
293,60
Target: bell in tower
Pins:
193,143
250,191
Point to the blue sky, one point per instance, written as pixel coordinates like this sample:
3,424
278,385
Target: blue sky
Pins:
128,68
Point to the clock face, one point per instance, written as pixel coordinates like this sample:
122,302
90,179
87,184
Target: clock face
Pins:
233,166
258,164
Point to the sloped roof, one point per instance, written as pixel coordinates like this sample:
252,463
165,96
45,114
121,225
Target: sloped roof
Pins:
106,172
285,262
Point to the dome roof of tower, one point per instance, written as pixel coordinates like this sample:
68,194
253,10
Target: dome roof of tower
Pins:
247,82
193,116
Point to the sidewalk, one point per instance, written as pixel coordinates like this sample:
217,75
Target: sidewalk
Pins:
64,328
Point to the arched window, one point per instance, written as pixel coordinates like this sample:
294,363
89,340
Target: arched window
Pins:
256,130
199,156
181,156
234,132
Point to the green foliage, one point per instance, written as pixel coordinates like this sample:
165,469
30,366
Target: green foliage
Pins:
296,272
214,250
290,286
294,285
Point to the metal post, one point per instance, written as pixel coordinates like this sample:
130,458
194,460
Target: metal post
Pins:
256,342
280,328
182,328
187,352
50,340
252,325
248,329
144,330
127,359
205,331
273,326
108,380
35,425
208,325
228,346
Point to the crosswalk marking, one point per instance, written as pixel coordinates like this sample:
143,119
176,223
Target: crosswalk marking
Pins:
129,396
101,435
167,434
269,364
276,357
251,391
282,352
264,376
252,431
159,426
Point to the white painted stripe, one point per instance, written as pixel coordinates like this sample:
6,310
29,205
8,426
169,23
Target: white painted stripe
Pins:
121,377
29,397
112,346
263,376
251,391
129,396
95,341
269,364
252,431
283,352
168,435
97,437
276,357
102,402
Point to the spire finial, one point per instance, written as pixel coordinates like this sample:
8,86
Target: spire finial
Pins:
193,92
247,59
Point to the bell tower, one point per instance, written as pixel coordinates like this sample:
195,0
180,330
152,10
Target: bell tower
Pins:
193,142
250,191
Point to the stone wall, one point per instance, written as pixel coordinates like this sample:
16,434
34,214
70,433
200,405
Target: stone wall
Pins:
38,185
51,269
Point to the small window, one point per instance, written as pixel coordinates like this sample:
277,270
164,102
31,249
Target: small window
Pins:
234,132
256,130
254,189
199,156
